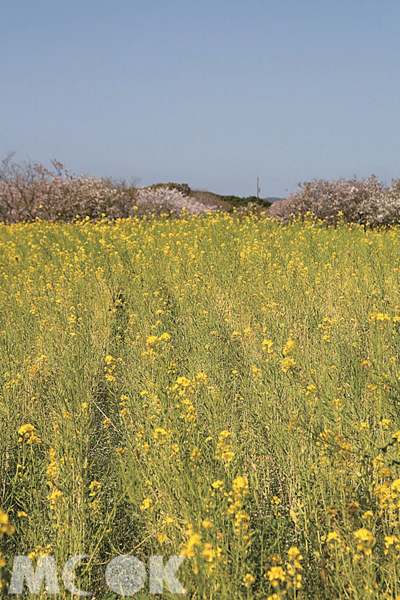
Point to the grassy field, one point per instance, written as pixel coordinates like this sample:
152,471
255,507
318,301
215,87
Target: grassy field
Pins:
216,387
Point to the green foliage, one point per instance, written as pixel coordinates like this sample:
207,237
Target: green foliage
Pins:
181,187
244,201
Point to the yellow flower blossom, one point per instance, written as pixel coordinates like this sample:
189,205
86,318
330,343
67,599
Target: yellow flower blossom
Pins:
94,487
289,347
248,580
194,540
164,337
202,377
5,525
294,553
147,504
396,485
396,436
208,552
287,364
55,497
276,575
391,541
27,434
268,346
217,484
240,485
375,316
365,540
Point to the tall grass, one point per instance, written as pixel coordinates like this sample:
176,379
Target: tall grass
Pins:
219,387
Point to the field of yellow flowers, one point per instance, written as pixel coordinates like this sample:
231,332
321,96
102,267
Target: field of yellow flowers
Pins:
219,387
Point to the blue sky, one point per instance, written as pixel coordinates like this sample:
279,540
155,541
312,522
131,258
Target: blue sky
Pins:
211,93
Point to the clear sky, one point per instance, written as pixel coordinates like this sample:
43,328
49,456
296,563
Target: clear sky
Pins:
210,93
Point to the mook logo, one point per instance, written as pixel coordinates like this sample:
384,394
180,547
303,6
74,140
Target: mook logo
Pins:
125,575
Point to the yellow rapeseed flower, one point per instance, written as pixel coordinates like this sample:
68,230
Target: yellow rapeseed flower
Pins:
294,553
193,541
208,552
248,580
164,337
276,575
396,485
287,364
218,484
289,347
5,525
240,485
27,434
147,503
365,540
94,487
391,541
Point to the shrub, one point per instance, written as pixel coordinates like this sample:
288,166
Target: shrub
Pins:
29,191
366,201
180,187
159,199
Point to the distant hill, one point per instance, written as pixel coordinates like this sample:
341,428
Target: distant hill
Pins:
226,201
230,201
